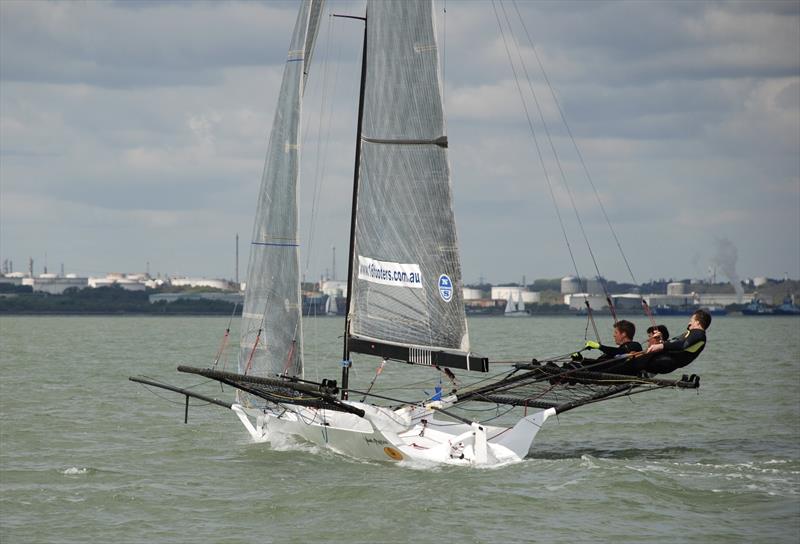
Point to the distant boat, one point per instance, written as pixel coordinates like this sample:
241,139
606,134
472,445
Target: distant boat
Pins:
314,305
330,306
787,308
515,308
664,310
757,307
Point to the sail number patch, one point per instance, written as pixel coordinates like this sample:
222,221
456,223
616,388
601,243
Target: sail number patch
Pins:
445,287
389,273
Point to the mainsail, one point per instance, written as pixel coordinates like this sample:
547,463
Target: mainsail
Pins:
271,339
406,278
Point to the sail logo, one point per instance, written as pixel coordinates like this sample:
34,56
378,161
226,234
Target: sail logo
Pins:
389,273
445,287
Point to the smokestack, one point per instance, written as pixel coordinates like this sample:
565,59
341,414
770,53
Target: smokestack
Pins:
333,266
30,267
725,259
236,264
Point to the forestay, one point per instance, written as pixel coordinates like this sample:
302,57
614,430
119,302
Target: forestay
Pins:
271,337
407,287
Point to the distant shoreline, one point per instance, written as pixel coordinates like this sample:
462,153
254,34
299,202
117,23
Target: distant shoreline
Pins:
110,313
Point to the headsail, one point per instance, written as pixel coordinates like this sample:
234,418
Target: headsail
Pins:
271,339
407,288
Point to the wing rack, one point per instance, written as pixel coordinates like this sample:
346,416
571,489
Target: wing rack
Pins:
547,385
281,390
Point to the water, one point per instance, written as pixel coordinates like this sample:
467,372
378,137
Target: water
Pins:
87,455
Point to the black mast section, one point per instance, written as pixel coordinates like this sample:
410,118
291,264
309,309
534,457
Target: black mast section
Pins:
345,344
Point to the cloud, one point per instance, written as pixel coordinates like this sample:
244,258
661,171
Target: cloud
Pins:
129,44
140,129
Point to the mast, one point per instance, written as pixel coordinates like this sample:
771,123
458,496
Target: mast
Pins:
345,344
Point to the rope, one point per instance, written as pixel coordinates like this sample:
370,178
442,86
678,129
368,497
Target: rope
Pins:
225,339
289,356
325,115
535,140
581,160
377,373
591,319
252,352
558,163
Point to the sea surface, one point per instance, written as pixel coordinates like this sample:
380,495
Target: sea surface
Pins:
88,456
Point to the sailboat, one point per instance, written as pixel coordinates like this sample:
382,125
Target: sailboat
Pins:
515,307
404,296
330,306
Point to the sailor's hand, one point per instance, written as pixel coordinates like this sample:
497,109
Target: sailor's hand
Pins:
590,344
655,347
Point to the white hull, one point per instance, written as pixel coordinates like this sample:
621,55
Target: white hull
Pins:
406,434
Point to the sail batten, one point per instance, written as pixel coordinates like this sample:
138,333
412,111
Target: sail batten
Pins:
441,141
407,272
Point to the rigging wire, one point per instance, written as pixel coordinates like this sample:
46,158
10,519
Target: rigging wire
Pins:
326,99
170,401
325,122
539,152
557,158
581,159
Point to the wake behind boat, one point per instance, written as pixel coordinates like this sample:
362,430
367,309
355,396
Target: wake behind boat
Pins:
404,296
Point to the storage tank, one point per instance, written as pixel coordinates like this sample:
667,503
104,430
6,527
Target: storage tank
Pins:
570,285
676,288
470,293
594,286
506,292
531,297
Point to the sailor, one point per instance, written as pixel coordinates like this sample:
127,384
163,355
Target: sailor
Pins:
676,353
624,331
656,334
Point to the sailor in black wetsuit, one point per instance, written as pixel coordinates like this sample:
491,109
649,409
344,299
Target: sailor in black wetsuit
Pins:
624,331
657,334
675,353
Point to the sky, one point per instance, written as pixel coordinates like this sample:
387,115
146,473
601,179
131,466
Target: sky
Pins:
133,135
